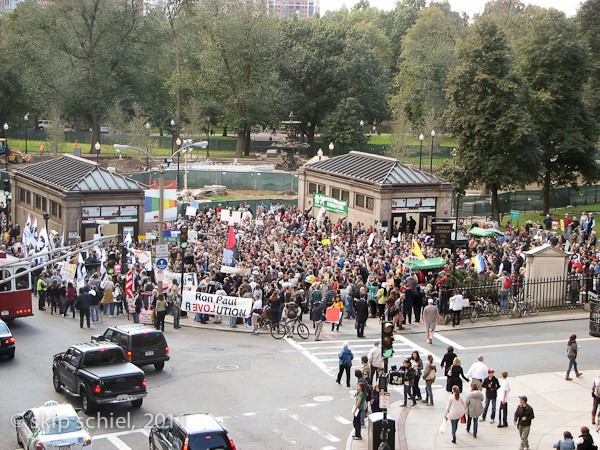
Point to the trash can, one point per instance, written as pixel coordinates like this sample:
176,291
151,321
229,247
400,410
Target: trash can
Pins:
376,425
595,317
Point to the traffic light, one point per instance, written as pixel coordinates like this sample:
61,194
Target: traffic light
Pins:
183,236
110,266
387,339
6,188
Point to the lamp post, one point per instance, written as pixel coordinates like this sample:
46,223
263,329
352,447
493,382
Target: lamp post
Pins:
331,147
172,136
320,154
7,151
97,147
207,136
26,119
362,124
421,137
431,154
148,141
178,142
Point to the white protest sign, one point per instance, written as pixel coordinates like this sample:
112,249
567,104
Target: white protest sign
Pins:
236,216
225,215
190,211
192,236
227,257
200,302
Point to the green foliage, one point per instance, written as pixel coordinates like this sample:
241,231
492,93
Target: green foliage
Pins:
588,19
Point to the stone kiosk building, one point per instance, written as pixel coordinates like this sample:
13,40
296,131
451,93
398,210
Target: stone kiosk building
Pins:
377,189
78,195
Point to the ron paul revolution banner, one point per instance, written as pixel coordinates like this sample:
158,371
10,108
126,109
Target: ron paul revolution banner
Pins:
200,302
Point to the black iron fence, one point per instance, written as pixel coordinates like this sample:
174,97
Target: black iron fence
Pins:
549,294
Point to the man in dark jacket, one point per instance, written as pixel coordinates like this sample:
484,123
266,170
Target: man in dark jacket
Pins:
362,313
83,303
523,417
491,386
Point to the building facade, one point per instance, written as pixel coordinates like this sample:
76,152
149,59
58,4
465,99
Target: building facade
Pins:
293,8
376,190
77,197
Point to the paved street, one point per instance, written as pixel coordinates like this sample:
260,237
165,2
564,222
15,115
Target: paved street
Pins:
267,393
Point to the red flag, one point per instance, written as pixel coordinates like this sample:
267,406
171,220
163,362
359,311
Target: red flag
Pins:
231,240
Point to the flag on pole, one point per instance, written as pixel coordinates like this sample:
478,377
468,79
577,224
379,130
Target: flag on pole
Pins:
25,236
33,234
232,243
417,250
479,263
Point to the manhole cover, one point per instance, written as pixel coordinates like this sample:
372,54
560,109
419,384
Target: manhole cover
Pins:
323,398
228,367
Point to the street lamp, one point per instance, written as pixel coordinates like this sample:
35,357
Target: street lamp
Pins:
362,124
7,151
97,147
148,142
178,142
26,119
431,154
320,154
207,136
172,136
331,147
421,137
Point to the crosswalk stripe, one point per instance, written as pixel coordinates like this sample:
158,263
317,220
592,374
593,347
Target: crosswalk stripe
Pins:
422,352
342,420
309,355
325,434
114,440
445,340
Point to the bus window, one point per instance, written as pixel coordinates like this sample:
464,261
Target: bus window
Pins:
4,286
22,282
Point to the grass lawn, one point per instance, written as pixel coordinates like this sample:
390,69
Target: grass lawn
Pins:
444,141
555,214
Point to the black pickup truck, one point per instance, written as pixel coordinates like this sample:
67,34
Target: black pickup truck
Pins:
99,373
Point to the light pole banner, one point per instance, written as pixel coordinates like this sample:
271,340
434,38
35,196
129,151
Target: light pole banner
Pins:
200,302
330,204
152,201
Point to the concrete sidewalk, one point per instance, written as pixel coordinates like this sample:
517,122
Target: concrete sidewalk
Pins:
558,405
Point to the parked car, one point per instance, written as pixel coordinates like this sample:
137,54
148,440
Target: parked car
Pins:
190,431
142,345
43,125
7,341
52,426
98,373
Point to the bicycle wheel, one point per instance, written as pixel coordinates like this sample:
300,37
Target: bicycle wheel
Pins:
278,331
532,308
303,331
474,315
516,312
494,312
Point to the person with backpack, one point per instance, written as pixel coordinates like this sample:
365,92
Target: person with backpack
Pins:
345,363
318,311
505,285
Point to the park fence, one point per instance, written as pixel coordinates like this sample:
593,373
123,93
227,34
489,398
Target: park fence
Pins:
549,294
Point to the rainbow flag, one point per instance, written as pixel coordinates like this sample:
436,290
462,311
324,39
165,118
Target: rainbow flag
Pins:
479,263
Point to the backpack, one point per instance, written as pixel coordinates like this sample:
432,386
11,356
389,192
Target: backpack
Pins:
369,392
291,311
507,283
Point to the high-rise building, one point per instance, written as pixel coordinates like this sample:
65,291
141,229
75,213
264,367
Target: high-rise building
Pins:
290,8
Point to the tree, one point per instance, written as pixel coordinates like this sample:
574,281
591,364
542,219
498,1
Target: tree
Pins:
555,64
427,57
341,126
116,117
588,19
496,141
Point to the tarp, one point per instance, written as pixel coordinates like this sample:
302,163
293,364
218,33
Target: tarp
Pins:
425,264
485,232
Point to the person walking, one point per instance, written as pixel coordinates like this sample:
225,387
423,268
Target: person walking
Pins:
454,374
431,315
71,296
478,372
359,406
566,443
160,311
362,314
455,409
318,311
345,363
83,303
523,417
491,386
572,349
474,403
503,396
429,377
417,364
448,359
456,305
408,382
595,398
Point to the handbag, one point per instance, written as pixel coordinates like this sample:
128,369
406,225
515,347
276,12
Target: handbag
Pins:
431,375
443,427
463,419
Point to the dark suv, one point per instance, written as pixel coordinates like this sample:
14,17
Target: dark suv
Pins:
190,431
142,345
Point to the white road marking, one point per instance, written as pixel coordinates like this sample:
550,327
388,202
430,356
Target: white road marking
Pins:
325,434
342,420
422,351
309,405
120,433
323,398
329,448
284,437
145,431
316,361
248,414
445,340
114,440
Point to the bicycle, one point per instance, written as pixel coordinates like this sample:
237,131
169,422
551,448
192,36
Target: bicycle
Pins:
484,308
281,330
264,324
524,306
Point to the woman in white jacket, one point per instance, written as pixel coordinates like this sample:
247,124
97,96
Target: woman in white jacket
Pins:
455,410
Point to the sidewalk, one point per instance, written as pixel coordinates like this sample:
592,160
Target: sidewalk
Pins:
559,405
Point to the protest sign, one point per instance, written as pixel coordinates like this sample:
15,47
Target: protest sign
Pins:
332,315
201,302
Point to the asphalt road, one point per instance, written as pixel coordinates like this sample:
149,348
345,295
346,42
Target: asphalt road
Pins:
269,394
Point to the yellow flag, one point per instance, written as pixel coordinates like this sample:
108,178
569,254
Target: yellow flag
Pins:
417,250
562,224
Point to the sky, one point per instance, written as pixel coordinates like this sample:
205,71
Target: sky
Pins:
569,7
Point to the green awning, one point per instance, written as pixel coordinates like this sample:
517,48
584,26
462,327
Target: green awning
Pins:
485,232
425,264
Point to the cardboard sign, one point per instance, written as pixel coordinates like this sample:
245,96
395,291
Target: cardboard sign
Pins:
146,317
